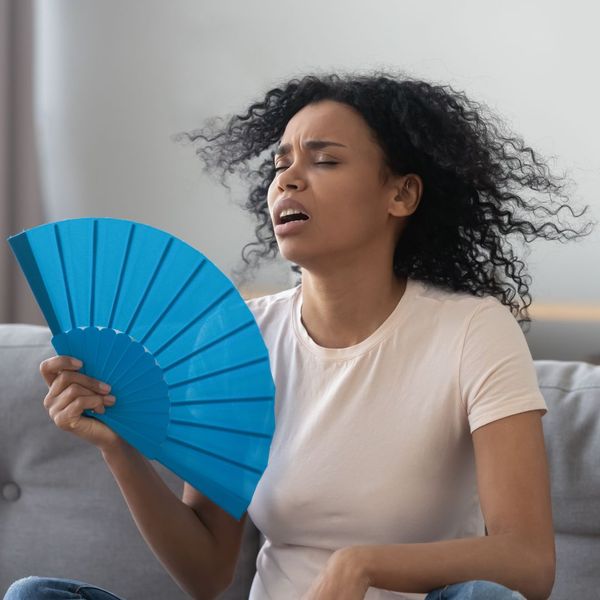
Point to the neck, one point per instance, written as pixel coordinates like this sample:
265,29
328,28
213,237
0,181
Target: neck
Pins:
339,313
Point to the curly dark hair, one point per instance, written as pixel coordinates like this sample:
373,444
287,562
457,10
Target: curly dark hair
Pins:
473,170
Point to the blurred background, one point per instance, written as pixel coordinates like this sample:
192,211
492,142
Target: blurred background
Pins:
91,92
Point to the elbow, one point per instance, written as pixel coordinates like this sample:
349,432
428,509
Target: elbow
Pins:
549,569
542,577
548,575
225,584
210,593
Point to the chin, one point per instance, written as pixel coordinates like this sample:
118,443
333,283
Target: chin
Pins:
295,257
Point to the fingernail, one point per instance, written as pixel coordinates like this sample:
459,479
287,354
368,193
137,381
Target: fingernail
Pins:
76,363
105,387
110,399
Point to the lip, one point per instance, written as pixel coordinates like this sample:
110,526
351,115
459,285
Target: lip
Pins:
291,227
285,203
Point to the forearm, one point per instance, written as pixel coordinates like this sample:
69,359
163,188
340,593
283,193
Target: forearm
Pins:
173,531
423,567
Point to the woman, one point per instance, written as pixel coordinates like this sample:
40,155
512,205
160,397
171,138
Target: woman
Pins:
407,399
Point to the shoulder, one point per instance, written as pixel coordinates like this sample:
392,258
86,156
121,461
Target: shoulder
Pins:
454,310
480,321
270,307
264,301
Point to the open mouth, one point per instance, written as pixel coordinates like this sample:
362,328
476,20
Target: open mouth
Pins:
291,223
294,217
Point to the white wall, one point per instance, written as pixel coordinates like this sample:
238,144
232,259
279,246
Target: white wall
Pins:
116,78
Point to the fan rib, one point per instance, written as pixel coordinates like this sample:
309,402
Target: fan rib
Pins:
175,298
220,371
119,425
225,399
146,293
64,273
107,356
129,370
130,389
193,321
121,275
217,428
93,276
139,403
215,455
135,411
127,389
209,345
116,360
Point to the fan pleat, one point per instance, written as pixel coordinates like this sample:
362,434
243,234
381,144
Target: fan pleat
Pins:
65,278
187,330
220,415
21,246
206,346
143,376
146,292
221,464
116,364
193,426
182,290
93,271
115,257
217,400
218,372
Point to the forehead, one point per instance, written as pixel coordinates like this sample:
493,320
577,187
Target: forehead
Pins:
328,120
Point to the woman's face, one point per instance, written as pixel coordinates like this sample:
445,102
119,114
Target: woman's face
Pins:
348,205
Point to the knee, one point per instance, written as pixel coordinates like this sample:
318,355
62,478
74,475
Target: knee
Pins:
28,588
479,589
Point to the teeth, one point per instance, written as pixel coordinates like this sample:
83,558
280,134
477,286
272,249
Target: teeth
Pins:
290,211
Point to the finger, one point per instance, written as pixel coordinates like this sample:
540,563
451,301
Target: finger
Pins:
59,403
66,378
68,417
55,404
51,367
76,408
106,401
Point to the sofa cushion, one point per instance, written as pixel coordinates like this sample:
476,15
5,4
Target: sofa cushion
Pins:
572,437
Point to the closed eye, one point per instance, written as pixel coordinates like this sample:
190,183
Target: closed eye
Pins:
319,163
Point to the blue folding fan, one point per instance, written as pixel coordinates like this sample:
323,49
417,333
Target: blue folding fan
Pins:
160,323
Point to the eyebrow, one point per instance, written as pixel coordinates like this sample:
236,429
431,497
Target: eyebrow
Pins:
312,144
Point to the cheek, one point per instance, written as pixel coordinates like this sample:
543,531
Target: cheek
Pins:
345,221
271,197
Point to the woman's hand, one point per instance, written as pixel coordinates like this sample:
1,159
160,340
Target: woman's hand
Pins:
69,394
341,578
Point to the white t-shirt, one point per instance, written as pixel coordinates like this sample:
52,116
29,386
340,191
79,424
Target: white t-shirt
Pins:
372,442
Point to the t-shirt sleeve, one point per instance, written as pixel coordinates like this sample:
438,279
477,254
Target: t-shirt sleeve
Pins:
497,377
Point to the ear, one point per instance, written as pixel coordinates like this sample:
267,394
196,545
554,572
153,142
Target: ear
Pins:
406,195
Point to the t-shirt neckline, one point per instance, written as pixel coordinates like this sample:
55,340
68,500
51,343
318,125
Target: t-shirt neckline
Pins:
357,349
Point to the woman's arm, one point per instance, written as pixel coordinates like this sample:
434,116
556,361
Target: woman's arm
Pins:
193,538
178,537
514,491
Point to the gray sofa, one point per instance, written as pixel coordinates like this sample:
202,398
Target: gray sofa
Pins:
62,514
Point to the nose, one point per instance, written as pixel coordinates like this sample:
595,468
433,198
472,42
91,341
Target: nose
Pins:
290,178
